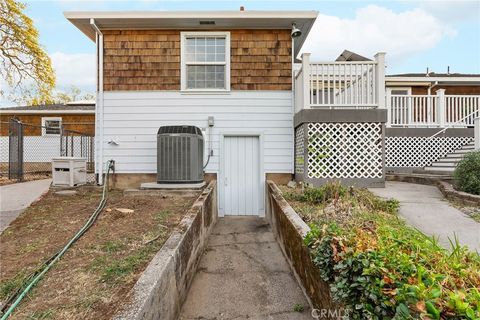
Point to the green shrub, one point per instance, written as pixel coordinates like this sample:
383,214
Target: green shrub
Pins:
467,173
380,268
333,190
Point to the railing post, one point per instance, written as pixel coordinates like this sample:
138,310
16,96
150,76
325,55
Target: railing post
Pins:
380,79
477,133
388,104
441,107
306,80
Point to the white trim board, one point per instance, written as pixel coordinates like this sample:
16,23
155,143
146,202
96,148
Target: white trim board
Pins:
60,112
183,61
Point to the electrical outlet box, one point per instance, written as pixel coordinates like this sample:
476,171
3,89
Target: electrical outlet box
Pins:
211,121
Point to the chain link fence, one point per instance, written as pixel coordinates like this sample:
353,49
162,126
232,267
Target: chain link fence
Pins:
28,150
4,152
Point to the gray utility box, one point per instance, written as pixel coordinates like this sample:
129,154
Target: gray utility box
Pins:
179,154
69,171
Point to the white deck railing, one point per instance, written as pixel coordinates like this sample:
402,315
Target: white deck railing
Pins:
359,84
440,110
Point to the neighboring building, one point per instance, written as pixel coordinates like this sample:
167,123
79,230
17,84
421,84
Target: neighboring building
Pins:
42,125
351,56
76,116
430,83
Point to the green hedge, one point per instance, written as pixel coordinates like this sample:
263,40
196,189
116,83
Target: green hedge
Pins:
467,173
377,266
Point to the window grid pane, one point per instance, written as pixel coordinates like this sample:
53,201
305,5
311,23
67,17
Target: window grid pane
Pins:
205,77
52,127
205,49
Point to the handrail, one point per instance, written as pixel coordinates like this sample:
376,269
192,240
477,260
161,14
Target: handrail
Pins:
453,124
439,110
343,62
333,84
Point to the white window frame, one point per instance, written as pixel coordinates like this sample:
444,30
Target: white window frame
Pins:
408,89
44,120
183,62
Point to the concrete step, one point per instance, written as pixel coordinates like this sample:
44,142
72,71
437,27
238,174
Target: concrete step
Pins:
439,170
423,172
454,156
449,160
420,176
461,151
443,164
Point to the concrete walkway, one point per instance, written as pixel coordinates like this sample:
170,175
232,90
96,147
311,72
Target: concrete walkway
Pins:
243,275
14,198
425,208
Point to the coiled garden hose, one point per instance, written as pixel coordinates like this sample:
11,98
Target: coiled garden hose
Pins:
33,279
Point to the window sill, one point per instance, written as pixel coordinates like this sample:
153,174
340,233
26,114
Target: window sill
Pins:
205,92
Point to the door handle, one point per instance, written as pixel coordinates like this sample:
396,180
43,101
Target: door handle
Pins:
226,181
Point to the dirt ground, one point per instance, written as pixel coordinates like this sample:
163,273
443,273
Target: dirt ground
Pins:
94,277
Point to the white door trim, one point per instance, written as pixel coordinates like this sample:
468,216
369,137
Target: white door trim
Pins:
221,177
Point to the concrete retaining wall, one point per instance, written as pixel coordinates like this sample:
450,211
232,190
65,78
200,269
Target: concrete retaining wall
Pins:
289,230
163,286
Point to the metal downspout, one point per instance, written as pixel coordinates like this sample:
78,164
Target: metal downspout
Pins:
100,101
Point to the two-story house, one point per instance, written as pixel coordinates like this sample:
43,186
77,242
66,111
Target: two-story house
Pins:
182,68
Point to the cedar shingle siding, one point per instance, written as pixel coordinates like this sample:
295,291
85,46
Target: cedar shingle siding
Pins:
150,60
84,123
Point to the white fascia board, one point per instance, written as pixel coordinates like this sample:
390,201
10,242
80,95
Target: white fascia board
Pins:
13,112
189,14
433,79
190,20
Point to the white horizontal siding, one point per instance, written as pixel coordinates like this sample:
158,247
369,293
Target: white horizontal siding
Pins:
132,119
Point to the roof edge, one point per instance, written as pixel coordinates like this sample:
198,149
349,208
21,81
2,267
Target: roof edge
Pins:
305,14
13,111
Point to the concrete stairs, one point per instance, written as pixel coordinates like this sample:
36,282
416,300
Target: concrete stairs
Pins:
447,164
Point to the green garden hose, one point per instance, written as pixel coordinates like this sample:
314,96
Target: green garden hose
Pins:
37,275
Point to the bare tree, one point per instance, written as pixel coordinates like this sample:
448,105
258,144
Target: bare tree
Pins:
74,94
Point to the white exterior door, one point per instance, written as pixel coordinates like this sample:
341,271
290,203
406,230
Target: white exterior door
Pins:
242,185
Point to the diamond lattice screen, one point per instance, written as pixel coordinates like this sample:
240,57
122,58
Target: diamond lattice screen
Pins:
299,150
345,150
420,151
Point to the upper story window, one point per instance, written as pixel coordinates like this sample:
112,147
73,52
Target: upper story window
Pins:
51,126
205,59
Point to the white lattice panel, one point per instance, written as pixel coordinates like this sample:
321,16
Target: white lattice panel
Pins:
299,150
345,150
420,151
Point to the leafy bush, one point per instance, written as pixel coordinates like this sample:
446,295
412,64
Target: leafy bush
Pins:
379,268
467,173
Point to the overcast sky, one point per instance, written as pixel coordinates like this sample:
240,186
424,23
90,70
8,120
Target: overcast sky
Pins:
414,34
